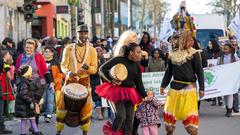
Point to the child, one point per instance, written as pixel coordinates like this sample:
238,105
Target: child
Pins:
6,78
228,57
148,113
24,105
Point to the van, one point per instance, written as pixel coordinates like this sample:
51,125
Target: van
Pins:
209,26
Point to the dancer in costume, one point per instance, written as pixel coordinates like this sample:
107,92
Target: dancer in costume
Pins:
74,101
124,86
185,67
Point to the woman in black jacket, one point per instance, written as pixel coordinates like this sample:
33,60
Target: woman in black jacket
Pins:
24,105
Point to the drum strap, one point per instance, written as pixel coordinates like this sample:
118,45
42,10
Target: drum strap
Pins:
75,58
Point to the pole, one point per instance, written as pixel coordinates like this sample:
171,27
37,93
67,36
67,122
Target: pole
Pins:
130,19
119,18
112,17
102,19
73,17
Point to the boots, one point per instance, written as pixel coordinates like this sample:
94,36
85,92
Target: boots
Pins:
220,101
59,133
228,112
213,102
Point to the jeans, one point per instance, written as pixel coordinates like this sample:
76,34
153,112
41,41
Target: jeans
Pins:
1,114
48,97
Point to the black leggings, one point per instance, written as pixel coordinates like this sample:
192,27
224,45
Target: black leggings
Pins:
124,117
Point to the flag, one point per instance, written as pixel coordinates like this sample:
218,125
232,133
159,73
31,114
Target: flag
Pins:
235,27
166,29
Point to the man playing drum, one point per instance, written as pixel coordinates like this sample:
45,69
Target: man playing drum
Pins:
74,102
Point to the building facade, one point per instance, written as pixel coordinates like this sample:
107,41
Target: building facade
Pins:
12,22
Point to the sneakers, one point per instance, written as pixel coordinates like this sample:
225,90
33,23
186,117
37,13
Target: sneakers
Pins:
38,133
48,118
59,133
5,131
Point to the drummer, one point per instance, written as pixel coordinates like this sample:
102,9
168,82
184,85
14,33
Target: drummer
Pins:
123,92
78,63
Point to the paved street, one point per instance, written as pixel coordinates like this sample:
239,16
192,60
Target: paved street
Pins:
212,122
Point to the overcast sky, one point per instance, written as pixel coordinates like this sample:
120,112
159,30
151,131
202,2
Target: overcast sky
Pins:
193,6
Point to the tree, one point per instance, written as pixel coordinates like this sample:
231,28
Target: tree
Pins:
155,9
143,3
226,7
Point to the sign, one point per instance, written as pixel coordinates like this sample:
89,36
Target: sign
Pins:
212,62
235,27
62,9
219,81
166,30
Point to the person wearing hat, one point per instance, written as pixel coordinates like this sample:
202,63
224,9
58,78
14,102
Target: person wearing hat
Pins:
78,63
24,106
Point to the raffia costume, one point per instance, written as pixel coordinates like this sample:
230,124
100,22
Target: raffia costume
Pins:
83,54
182,98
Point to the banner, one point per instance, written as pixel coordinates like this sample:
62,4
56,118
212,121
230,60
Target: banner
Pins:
235,27
219,81
166,29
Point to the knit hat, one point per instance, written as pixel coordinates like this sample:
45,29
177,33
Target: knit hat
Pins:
26,71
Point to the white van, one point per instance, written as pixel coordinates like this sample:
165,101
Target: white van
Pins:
209,26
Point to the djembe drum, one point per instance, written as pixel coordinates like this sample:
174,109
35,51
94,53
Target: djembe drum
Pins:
75,97
119,72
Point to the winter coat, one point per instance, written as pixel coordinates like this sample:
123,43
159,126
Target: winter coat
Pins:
41,65
55,71
6,84
148,113
24,98
212,55
156,66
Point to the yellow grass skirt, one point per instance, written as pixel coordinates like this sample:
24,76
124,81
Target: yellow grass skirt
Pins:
182,105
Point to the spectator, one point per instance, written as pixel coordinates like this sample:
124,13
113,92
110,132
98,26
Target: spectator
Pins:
213,51
40,76
3,129
145,42
95,81
24,107
228,57
54,68
156,62
9,45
